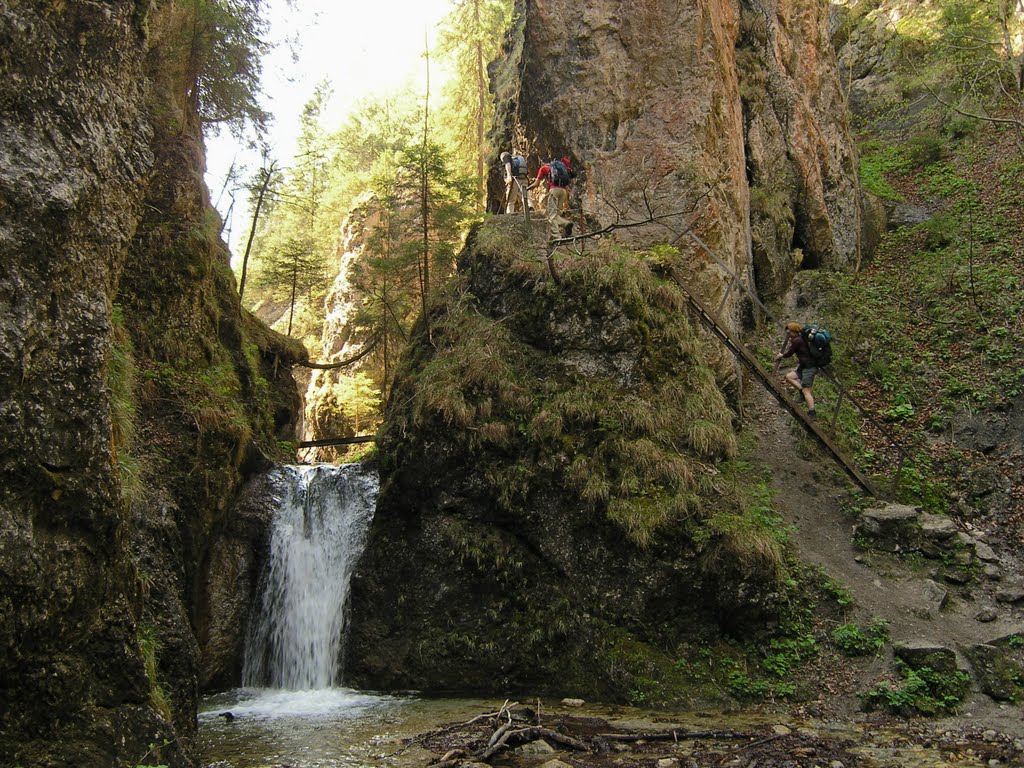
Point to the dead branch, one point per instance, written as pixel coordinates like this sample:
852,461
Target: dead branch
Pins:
673,735
341,363
510,738
505,708
599,233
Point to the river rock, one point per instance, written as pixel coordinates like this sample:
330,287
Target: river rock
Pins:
536,747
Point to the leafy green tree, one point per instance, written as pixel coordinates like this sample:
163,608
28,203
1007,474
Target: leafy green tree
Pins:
969,54
390,274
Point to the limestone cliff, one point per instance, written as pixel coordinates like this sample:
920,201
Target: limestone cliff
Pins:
133,395
729,112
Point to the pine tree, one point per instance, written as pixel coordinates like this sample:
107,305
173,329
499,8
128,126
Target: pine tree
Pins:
471,37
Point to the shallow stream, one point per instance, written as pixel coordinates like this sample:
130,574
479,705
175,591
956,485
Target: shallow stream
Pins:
343,728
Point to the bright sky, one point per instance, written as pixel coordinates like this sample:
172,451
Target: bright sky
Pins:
362,47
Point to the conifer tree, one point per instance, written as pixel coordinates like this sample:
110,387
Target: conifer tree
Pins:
471,37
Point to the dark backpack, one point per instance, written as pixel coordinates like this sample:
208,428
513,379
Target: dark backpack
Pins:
819,344
518,165
559,174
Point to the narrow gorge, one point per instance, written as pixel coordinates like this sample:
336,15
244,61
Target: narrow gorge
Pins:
575,490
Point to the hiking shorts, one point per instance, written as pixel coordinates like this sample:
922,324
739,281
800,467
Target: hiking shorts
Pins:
806,376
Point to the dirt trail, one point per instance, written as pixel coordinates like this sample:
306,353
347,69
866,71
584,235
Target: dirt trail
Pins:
810,495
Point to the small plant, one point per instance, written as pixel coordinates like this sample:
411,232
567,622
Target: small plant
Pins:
149,644
153,748
853,641
838,592
923,691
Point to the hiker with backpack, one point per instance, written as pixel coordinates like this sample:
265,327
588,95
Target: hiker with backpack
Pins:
516,182
555,176
813,349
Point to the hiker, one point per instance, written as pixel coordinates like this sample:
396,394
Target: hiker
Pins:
555,176
801,377
516,181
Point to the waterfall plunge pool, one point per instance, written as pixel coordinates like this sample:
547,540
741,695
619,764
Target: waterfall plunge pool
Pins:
294,710
324,728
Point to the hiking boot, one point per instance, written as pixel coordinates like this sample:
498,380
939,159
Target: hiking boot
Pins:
812,415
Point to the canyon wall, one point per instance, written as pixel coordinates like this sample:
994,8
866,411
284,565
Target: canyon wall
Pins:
134,396
729,113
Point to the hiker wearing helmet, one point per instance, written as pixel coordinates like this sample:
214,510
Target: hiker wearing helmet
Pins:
516,181
802,377
555,176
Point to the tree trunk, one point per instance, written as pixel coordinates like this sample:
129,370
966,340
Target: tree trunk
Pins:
481,89
266,174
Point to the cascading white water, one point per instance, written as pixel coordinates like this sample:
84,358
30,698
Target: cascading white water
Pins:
318,533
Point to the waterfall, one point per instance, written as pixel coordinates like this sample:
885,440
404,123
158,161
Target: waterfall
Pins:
317,533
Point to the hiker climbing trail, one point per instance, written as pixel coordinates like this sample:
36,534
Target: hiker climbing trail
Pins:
771,384
711,321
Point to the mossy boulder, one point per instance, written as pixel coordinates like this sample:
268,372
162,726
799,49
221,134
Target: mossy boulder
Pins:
552,517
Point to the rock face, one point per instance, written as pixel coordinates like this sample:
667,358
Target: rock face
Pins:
325,412
547,476
732,114
75,156
123,370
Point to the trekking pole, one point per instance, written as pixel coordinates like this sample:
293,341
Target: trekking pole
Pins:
524,195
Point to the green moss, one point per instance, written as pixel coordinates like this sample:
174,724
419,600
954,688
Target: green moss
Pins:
122,378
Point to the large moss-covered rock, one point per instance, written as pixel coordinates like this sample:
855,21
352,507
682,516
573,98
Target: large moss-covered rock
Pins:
550,518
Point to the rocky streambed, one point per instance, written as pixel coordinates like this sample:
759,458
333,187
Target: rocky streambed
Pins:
346,728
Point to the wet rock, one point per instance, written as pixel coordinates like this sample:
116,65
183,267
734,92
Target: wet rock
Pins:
919,655
572,702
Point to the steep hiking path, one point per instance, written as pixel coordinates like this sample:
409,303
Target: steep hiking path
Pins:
810,496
